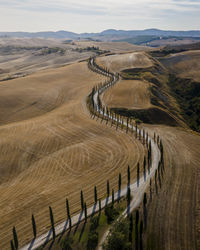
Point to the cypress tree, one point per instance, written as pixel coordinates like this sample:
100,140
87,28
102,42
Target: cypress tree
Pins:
82,201
95,195
34,226
147,138
150,146
119,182
138,174
12,245
15,238
143,136
144,166
139,134
149,153
156,181
150,191
136,131
85,208
128,196
108,188
52,222
161,150
128,175
127,126
67,208
158,140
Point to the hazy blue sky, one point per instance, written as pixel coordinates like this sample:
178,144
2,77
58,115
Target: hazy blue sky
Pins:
95,16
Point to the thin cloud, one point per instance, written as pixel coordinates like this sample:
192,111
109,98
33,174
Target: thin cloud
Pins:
90,15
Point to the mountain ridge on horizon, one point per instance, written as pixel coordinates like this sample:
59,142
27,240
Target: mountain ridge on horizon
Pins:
62,34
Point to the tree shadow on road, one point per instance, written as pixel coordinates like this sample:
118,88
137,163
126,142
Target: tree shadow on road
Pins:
82,231
79,220
94,209
47,238
31,244
63,231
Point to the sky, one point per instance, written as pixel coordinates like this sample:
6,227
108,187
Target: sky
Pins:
95,16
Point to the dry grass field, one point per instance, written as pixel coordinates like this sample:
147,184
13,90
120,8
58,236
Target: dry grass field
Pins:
131,94
114,47
22,56
184,64
51,149
174,214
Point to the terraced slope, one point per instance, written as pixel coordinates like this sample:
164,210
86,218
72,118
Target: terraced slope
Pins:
51,149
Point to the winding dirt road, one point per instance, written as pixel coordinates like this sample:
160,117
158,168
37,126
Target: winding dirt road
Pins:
136,191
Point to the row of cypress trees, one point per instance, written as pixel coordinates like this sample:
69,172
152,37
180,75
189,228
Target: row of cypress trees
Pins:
14,242
144,137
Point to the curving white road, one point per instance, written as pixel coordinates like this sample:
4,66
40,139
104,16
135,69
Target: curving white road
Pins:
136,191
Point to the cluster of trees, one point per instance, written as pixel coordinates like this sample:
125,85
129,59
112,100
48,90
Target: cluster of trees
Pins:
93,236
124,235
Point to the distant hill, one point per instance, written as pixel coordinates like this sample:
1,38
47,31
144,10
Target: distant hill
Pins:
106,34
